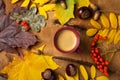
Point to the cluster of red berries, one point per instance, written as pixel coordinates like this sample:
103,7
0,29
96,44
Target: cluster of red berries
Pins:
23,24
102,64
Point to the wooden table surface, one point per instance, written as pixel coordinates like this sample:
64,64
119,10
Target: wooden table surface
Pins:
46,37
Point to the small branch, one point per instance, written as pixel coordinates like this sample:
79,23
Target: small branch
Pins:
75,61
79,62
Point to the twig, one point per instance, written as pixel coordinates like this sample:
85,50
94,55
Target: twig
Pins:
79,62
74,60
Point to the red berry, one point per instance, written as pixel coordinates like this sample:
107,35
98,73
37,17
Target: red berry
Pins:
103,63
92,44
94,54
101,59
96,50
96,38
106,73
95,59
106,62
100,37
98,63
101,70
92,51
26,27
23,23
105,68
105,37
100,66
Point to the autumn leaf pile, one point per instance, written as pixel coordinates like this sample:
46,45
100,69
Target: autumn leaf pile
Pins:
30,68
11,36
108,27
63,15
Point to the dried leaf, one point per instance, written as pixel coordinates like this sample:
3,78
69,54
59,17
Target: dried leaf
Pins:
83,72
11,36
14,1
95,24
64,15
91,32
30,67
93,71
81,3
102,78
113,20
60,77
104,20
68,77
25,3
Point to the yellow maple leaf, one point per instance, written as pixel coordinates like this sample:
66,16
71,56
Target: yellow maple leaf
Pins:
29,68
81,3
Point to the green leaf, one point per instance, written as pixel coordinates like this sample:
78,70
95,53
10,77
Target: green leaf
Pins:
64,15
